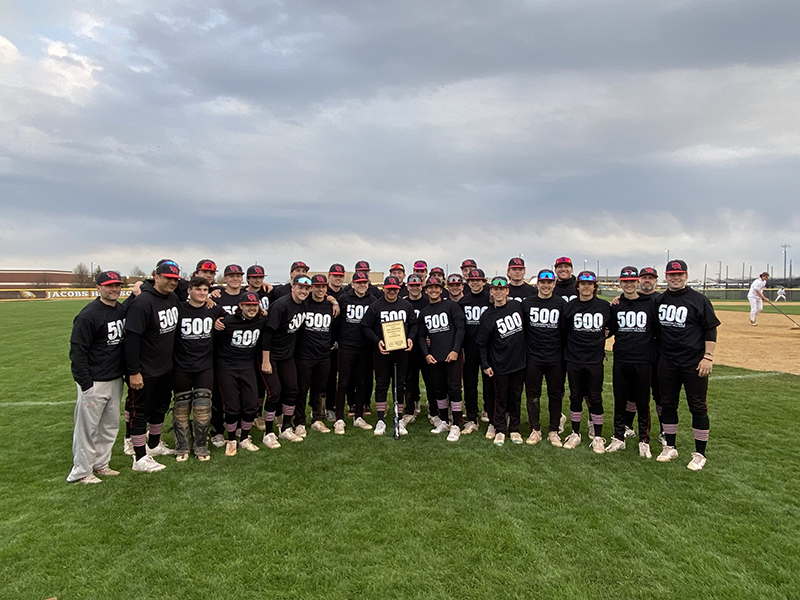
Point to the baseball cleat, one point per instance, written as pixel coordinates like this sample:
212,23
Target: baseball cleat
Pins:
469,427
667,454
644,450
182,457
271,441
160,450
127,447
401,429
90,478
248,444
230,448
455,433
662,439
554,439
698,462
218,440
499,439
380,428
408,419
590,430
490,432
629,432
301,431
598,445
330,416
441,427
361,424
203,457
434,420
615,445
106,472
146,464
319,427
572,441
288,435
534,438
516,437
260,424
338,427
485,417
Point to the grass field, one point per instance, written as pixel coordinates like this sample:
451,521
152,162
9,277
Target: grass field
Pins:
365,517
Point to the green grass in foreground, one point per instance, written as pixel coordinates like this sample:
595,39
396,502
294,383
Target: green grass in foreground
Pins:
365,517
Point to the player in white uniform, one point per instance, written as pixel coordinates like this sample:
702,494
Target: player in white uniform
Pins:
781,294
756,296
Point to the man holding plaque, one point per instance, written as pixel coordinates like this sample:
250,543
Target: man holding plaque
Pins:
390,324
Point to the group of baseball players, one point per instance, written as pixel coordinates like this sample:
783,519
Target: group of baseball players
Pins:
247,355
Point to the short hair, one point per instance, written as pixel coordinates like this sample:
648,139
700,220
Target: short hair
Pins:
196,282
764,273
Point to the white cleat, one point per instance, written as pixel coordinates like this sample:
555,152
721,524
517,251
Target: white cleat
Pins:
434,420
361,424
469,427
490,432
160,450
644,450
499,439
271,441
698,462
516,437
127,447
662,439
320,427
218,440
90,478
288,435
230,448
330,416
554,439
590,430
667,454
106,472
572,441
629,432
401,429
485,417
279,421
455,433
147,464
338,427
260,424
182,457
562,423
408,419
616,445
534,438
380,428
441,427
598,445
301,431
248,445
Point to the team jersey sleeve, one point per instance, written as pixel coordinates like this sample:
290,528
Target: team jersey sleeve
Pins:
368,324
79,344
710,321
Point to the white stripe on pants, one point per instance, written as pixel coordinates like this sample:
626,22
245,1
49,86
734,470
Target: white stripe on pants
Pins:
96,427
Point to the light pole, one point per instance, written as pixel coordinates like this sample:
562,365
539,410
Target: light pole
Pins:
784,247
667,251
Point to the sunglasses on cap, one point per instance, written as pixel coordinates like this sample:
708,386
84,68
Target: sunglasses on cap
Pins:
499,282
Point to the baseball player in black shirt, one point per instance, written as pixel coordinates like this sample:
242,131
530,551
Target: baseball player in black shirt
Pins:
648,279
255,284
384,310
565,285
455,287
354,353
633,325
544,343
193,375
335,289
95,352
286,317
236,347
416,362
313,357
518,288
467,265
687,339
150,327
474,303
586,322
298,268
501,341
442,324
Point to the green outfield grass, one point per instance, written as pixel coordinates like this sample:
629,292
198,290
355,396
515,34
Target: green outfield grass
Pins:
364,517
739,306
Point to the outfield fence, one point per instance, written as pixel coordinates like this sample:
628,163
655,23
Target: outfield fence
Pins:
38,294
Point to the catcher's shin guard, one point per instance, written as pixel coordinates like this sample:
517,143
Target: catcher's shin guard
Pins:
202,420
180,421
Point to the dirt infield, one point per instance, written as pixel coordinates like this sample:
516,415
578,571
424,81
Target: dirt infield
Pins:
772,346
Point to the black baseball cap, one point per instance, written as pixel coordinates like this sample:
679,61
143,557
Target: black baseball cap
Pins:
391,283
298,264
437,270
499,281
414,279
419,265
362,265
233,270
319,280
397,267
301,280
476,274
587,276
255,271
546,275
336,269
648,271
469,262
248,298
206,265
629,274
166,261
360,277
455,278
169,269
108,278
433,281
516,262
676,266
563,260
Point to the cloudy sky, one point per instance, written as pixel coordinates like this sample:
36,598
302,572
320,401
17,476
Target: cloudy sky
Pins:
323,131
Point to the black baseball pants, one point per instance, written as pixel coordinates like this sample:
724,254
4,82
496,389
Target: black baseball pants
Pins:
471,370
312,375
553,374
631,384
508,400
